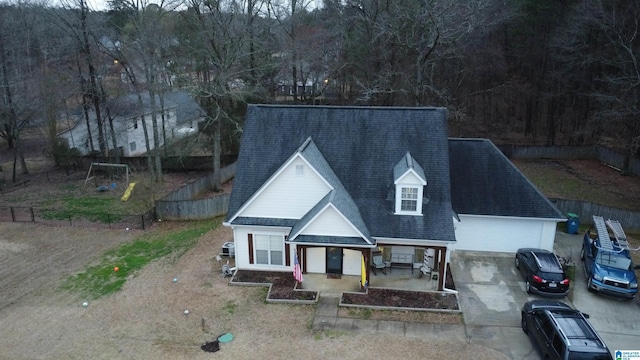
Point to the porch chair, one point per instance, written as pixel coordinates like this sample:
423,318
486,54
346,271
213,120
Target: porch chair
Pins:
377,263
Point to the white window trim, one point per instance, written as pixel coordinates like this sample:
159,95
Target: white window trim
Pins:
418,211
281,249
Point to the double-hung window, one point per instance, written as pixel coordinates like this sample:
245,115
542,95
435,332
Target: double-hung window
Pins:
409,199
410,180
269,249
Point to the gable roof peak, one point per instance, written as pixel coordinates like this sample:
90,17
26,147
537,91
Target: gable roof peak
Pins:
408,163
409,160
305,144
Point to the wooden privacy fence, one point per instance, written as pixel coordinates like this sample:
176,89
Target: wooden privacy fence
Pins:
193,209
585,210
181,205
601,153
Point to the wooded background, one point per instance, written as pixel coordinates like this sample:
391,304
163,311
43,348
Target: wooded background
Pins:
542,72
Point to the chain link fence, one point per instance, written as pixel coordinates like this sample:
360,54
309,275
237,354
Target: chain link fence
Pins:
70,218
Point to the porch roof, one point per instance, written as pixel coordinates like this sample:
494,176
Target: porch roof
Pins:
264,221
331,240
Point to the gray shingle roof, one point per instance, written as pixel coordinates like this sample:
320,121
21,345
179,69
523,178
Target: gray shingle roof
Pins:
339,196
406,163
485,182
333,240
265,221
362,145
128,105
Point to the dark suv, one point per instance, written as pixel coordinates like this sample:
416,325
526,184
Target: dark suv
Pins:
542,272
560,332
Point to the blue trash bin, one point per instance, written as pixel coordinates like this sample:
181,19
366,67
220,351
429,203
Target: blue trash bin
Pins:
573,222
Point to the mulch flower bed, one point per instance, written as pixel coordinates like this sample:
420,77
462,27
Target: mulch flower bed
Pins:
283,289
282,284
403,299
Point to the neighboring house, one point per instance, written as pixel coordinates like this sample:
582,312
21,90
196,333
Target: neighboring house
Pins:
181,117
332,185
189,115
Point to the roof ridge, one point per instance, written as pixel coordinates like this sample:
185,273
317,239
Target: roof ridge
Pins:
305,143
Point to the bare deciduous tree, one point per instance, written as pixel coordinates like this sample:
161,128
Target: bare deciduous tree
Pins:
603,44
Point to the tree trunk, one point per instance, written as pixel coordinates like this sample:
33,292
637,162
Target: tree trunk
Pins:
92,77
146,138
164,122
13,131
85,105
157,163
114,141
217,153
7,129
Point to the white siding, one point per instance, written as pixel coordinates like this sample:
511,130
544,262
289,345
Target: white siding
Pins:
290,195
351,262
125,133
503,234
136,135
548,235
330,223
241,240
241,247
316,260
410,178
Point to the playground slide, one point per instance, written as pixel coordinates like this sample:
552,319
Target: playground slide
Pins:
127,192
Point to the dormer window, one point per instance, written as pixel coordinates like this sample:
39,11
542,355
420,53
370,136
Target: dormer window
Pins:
409,199
409,180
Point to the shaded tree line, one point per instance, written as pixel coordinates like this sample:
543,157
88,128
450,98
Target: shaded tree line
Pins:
526,71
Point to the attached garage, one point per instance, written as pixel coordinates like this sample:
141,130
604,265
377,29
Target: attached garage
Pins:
497,208
503,234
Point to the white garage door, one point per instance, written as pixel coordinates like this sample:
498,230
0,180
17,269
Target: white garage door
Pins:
482,233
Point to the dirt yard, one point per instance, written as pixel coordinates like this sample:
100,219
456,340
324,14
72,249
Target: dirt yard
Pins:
146,319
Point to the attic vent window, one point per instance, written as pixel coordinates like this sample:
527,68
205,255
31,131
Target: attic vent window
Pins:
299,170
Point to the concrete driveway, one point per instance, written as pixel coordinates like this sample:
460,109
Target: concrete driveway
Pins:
617,321
492,292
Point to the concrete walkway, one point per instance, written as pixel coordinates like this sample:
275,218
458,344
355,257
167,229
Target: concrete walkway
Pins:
326,318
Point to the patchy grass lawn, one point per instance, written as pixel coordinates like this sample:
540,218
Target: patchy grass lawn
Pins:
102,279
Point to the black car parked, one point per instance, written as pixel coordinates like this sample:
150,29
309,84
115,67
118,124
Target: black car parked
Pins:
542,272
560,332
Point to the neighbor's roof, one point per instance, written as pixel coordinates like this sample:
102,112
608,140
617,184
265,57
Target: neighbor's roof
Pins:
362,145
485,182
128,105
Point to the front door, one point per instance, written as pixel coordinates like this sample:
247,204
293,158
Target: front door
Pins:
334,260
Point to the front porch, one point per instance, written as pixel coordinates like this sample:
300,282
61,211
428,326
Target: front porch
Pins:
401,279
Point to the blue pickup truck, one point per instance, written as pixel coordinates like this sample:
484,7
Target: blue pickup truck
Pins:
607,260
